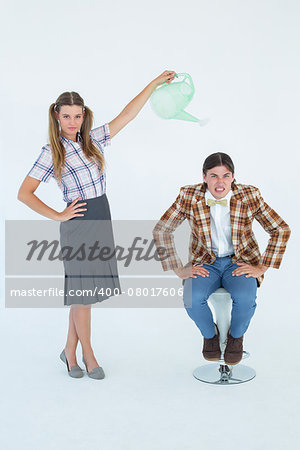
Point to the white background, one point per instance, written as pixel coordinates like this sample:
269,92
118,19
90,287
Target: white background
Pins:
244,60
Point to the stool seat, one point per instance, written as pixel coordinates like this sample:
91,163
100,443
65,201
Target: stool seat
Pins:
220,303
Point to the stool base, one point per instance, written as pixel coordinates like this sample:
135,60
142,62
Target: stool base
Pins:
216,373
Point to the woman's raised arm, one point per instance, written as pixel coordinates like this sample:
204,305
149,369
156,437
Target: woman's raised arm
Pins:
133,108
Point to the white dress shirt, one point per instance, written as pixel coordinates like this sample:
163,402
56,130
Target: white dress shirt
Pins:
220,227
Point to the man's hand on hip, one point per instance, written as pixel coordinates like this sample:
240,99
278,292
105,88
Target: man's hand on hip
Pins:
249,271
192,272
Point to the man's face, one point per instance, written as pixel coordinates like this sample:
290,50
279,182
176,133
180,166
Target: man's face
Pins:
218,181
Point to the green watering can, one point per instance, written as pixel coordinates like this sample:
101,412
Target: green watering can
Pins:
170,100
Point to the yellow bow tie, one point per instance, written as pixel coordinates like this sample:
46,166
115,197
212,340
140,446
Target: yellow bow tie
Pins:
211,202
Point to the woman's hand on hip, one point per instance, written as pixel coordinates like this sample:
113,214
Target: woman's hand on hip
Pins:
72,210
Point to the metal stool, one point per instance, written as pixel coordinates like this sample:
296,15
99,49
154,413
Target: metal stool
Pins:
218,372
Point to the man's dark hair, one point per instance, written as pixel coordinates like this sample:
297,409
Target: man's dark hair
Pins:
218,159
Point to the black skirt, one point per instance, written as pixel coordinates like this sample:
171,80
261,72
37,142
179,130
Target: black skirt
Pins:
88,252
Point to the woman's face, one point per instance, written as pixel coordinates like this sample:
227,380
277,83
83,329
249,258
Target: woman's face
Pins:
218,181
70,118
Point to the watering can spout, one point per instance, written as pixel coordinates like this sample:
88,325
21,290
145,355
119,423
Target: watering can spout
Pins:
183,115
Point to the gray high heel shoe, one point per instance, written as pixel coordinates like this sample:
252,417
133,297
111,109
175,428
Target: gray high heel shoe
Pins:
97,373
75,371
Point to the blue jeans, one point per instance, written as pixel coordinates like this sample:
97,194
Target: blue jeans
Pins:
242,290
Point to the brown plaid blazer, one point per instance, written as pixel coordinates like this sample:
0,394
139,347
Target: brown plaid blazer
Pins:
246,204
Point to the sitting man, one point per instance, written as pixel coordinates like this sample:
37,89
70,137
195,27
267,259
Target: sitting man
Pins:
223,251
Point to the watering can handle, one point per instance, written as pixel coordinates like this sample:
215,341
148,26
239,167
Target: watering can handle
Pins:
186,75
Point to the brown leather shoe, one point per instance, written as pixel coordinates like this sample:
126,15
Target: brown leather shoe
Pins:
211,348
234,350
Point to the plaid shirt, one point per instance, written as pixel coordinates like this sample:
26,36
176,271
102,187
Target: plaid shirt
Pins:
81,177
246,204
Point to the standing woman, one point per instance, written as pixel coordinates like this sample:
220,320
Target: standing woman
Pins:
75,159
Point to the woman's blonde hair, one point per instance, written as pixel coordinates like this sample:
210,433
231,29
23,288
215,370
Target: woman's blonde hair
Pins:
58,150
